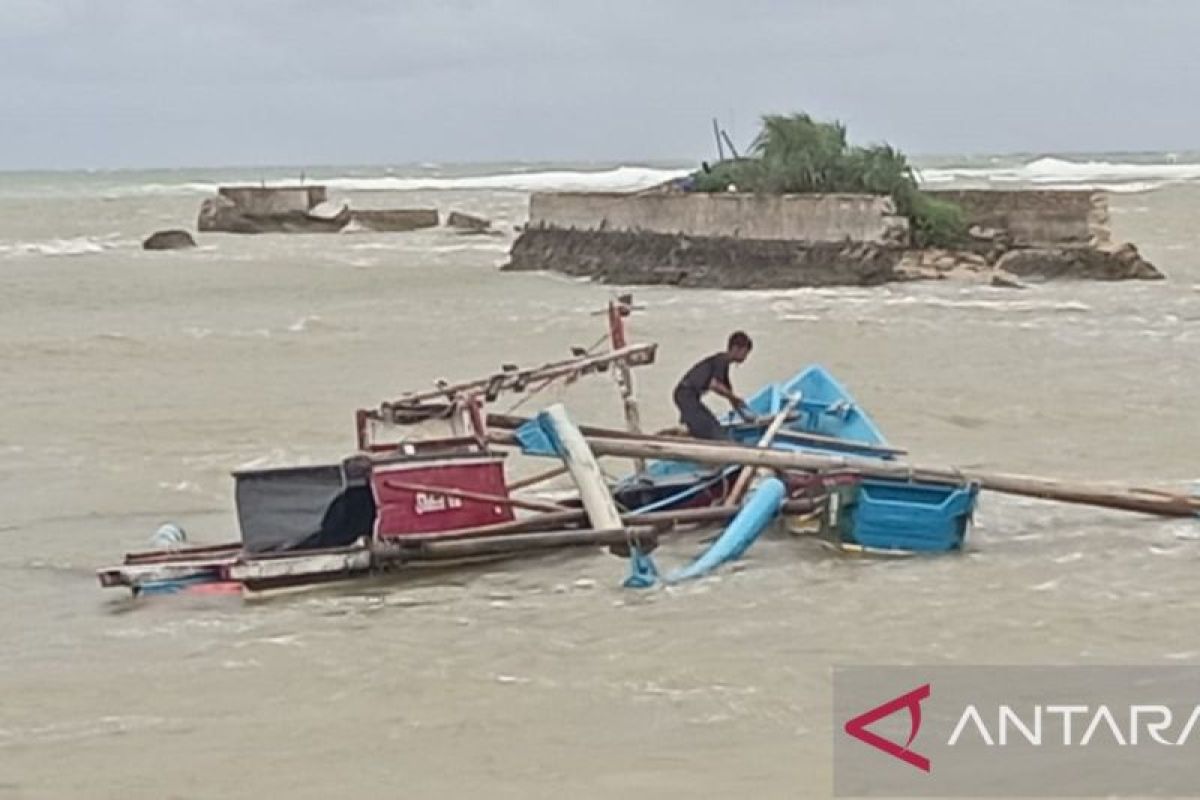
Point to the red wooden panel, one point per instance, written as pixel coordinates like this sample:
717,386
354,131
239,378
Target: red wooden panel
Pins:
403,511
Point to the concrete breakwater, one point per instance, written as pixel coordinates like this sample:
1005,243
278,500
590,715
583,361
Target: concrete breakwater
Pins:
640,257
779,241
301,209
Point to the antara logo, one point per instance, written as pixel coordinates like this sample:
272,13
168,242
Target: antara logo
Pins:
911,701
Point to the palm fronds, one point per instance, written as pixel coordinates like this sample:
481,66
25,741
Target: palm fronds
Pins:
795,154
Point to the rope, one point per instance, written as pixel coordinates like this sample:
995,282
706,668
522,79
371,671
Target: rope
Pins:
684,494
525,398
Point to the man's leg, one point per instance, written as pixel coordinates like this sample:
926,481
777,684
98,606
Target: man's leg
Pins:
700,422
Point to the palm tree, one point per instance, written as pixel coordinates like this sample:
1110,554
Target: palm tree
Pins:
795,154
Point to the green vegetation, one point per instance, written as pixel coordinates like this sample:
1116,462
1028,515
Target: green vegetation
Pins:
794,154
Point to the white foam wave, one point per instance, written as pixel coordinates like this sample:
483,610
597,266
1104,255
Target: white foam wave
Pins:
75,246
1046,172
617,179
180,486
620,179
75,730
1070,306
305,323
1057,172
474,247
167,189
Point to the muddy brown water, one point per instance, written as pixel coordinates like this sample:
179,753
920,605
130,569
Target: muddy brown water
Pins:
133,382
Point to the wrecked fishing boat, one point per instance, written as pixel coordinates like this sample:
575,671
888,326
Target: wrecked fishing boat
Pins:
389,506
404,501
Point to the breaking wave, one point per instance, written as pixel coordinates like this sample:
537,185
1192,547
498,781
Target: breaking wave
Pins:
75,246
1058,172
1021,306
1139,173
618,179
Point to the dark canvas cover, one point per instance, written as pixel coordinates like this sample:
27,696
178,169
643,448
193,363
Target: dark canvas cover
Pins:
324,505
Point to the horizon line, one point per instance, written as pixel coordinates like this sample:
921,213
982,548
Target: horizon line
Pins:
610,163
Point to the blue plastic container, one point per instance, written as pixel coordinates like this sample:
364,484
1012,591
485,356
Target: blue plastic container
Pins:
913,517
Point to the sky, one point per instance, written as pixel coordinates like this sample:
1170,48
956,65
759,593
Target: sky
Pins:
174,83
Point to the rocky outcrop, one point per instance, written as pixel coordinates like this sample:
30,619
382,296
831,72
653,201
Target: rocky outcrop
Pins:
1105,263
1006,267
1005,280
937,264
220,214
468,223
169,240
621,257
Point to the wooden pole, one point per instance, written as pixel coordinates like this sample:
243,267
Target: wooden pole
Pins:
747,474
517,379
563,519
616,332
729,142
478,497
1161,503
678,434
540,477
717,136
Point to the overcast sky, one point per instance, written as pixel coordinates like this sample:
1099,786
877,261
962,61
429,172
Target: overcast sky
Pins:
113,83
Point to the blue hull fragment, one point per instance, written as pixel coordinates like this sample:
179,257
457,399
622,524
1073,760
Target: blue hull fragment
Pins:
757,513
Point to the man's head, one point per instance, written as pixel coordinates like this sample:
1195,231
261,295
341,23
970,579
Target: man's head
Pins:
739,346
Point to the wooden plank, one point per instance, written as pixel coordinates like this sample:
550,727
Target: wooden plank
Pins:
196,553
524,542
1160,502
137,574
617,311
300,565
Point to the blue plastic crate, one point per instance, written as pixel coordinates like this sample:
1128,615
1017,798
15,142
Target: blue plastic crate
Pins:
916,517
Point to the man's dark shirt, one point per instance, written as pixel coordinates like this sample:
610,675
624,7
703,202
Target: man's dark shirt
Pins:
701,375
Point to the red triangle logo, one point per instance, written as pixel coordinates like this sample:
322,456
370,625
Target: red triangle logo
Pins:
857,727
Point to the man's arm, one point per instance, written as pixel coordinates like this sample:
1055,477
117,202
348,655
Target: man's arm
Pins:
720,387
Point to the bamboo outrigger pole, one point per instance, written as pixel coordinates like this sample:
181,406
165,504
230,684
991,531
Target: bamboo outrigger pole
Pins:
518,379
747,474
578,459
1146,501
562,520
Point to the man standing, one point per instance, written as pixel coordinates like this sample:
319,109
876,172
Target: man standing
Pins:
711,374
